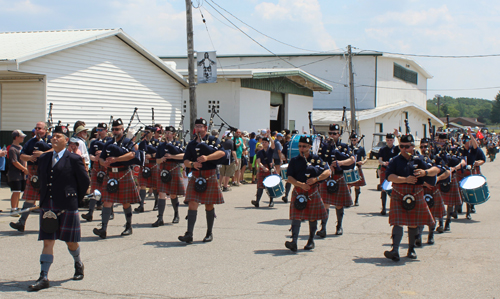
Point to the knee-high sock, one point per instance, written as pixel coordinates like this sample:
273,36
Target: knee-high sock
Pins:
25,215
412,233
340,216
260,191
420,230
325,221
142,194
440,221
155,193
288,186
384,199
191,220
175,205
449,211
210,220
106,213
431,229
397,236
468,208
76,255
128,215
92,203
313,226
161,208
295,230
357,192
45,262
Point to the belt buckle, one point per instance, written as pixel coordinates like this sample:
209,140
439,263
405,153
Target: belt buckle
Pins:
114,169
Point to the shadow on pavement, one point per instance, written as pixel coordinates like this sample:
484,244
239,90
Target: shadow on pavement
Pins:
464,220
148,225
275,252
383,261
16,286
97,238
374,214
17,233
160,244
286,222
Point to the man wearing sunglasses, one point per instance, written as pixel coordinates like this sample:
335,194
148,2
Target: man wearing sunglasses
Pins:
407,174
32,149
384,156
339,157
265,164
360,154
469,152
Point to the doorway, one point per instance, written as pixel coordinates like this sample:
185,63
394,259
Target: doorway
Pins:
278,101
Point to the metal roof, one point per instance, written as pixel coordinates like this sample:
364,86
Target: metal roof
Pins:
18,47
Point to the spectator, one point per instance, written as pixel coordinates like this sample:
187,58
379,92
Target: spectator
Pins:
254,165
227,171
252,143
17,169
278,149
238,143
82,135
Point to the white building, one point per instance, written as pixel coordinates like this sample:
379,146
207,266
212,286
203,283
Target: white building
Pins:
88,75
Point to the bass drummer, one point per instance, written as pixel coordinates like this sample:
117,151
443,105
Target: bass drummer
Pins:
360,154
339,157
265,164
384,156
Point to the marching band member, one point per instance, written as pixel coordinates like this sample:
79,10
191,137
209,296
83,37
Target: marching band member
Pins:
469,153
265,163
149,172
360,154
384,156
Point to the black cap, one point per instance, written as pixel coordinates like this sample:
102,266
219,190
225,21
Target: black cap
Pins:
407,138
443,136
117,122
424,140
62,129
200,121
170,129
295,132
334,127
150,129
265,139
353,135
389,136
102,125
305,139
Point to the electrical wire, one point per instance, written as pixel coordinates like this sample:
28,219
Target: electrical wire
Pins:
211,41
434,89
434,56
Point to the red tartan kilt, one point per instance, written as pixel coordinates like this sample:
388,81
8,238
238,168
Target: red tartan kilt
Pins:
211,196
452,197
175,186
438,209
93,177
30,193
420,215
342,198
261,175
382,175
127,189
315,209
361,182
151,181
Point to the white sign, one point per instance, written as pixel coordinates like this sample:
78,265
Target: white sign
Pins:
274,112
207,67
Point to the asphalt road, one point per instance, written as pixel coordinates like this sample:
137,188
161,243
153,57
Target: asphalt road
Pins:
247,258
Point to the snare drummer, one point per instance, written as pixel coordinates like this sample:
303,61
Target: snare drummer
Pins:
149,165
360,154
265,164
339,157
407,174
469,152
384,156
305,172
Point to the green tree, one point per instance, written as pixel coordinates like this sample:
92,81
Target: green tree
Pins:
495,110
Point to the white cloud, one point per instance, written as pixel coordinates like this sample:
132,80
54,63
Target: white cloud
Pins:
22,6
412,17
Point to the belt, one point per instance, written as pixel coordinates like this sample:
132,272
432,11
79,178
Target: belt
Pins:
118,169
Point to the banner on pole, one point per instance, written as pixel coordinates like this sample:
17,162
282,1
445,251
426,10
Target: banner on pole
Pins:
207,67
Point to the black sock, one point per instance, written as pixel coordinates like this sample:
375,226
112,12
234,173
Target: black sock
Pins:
420,230
92,203
210,220
340,216
175,205
161,208
325,221
155,193
191,220
397,236
25,215
313,226
259,193
288,186
441,221
128,214
412,233
295,230
142,194
106,213
357,192
449,211
384,199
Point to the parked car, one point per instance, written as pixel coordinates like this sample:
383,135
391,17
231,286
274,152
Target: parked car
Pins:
377,144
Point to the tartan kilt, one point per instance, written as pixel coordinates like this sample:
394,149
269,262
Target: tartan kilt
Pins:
261,175
361,182
31,193
175,186
452,197
342,198
151,181
437,210
382,174
315,209
420,215
211,196
69,227
127,189
93,177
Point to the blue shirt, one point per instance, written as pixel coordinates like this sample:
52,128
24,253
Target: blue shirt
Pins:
60,154
251,144
387,153
123,143
29,147
172,148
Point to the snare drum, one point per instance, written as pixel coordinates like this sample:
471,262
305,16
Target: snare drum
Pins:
387,187
352,175
274,186
474,189
284,170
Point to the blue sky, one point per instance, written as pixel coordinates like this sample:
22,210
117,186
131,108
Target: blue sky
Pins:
406,26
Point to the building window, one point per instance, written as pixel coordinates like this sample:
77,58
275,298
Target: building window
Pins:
405,74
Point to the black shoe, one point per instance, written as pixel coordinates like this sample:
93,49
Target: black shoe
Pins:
186,202
392,255
455,215
309,245
356,203
447,226
255,203
411,253
158,223
112,216
339,231
78,271
383,212
430,239
40,284
440,229
284,199
291,245
176,218
100,232
87,217
18,226
271,204
418,241
128,230
468,216
472,209
188,238
139,209
208,238
321,233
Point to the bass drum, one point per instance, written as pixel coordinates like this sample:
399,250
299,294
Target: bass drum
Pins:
293,147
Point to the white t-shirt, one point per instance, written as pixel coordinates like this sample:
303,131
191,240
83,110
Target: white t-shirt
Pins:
83,149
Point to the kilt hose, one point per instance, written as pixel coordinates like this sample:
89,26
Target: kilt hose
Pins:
438,210
31,193
151,181
341,198
419,215
211,196
452,197
315,209
69,227
175,186
361,182
93,177
127,189
261,175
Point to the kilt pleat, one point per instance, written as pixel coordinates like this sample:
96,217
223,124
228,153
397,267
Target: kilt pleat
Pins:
151,181
127,189
438,209
420,215
361,182
93,177
315,209
342,198
69,227
213,194
31,193
175,186
261,175
452,197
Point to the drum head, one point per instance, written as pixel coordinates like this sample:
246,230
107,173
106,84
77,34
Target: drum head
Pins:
472,182
272,180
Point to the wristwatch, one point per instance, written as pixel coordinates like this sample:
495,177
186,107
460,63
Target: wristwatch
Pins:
426,173
192,165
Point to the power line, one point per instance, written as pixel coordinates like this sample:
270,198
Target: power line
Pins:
211,41
445,89
434,56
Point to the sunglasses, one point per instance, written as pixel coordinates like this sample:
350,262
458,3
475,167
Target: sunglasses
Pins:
405,146
99,130
116,129
303,146
37,128
423,146
333,133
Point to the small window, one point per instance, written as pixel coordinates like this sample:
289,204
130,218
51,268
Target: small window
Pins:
405,74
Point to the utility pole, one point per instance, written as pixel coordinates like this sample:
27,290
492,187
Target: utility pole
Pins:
192,84
439,104
351,89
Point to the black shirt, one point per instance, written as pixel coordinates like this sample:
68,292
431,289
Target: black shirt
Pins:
266,157
228,144
404,168
330,152
359,153
191,155
297,166
29,147
124,143
386,153
170,148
